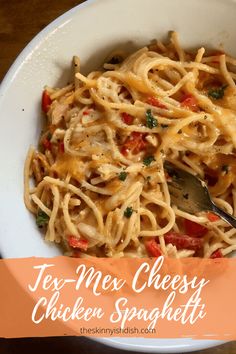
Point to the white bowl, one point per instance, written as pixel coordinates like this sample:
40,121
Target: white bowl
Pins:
90,30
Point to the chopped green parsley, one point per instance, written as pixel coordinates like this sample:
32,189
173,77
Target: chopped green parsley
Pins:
122,176
42,218
151,122
128,212
148,160
217,93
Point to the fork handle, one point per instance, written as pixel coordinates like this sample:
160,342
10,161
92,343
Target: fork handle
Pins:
223,215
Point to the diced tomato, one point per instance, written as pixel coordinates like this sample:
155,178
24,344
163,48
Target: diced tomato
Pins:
217,254
127,118
212,217
46,101
153,249
190,102
86,113
61,147
134,143
181,241
75,242
153,101
47,144
194,229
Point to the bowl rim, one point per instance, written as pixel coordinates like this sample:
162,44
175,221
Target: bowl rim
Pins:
35,41
192,346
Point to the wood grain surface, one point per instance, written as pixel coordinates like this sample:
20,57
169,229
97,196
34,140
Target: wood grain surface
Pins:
20,21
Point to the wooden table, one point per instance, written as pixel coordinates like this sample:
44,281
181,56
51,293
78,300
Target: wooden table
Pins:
20,21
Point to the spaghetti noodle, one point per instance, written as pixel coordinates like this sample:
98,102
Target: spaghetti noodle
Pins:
100,186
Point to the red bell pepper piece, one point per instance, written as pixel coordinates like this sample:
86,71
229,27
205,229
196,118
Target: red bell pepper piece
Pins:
134,143
181,241
153,249
127,118
190,102
212,217
153,101
46,101
76,242
217,254
194,229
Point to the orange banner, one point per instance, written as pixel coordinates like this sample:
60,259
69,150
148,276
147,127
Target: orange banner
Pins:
159,298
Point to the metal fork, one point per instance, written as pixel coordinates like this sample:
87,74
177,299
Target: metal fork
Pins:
190,194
